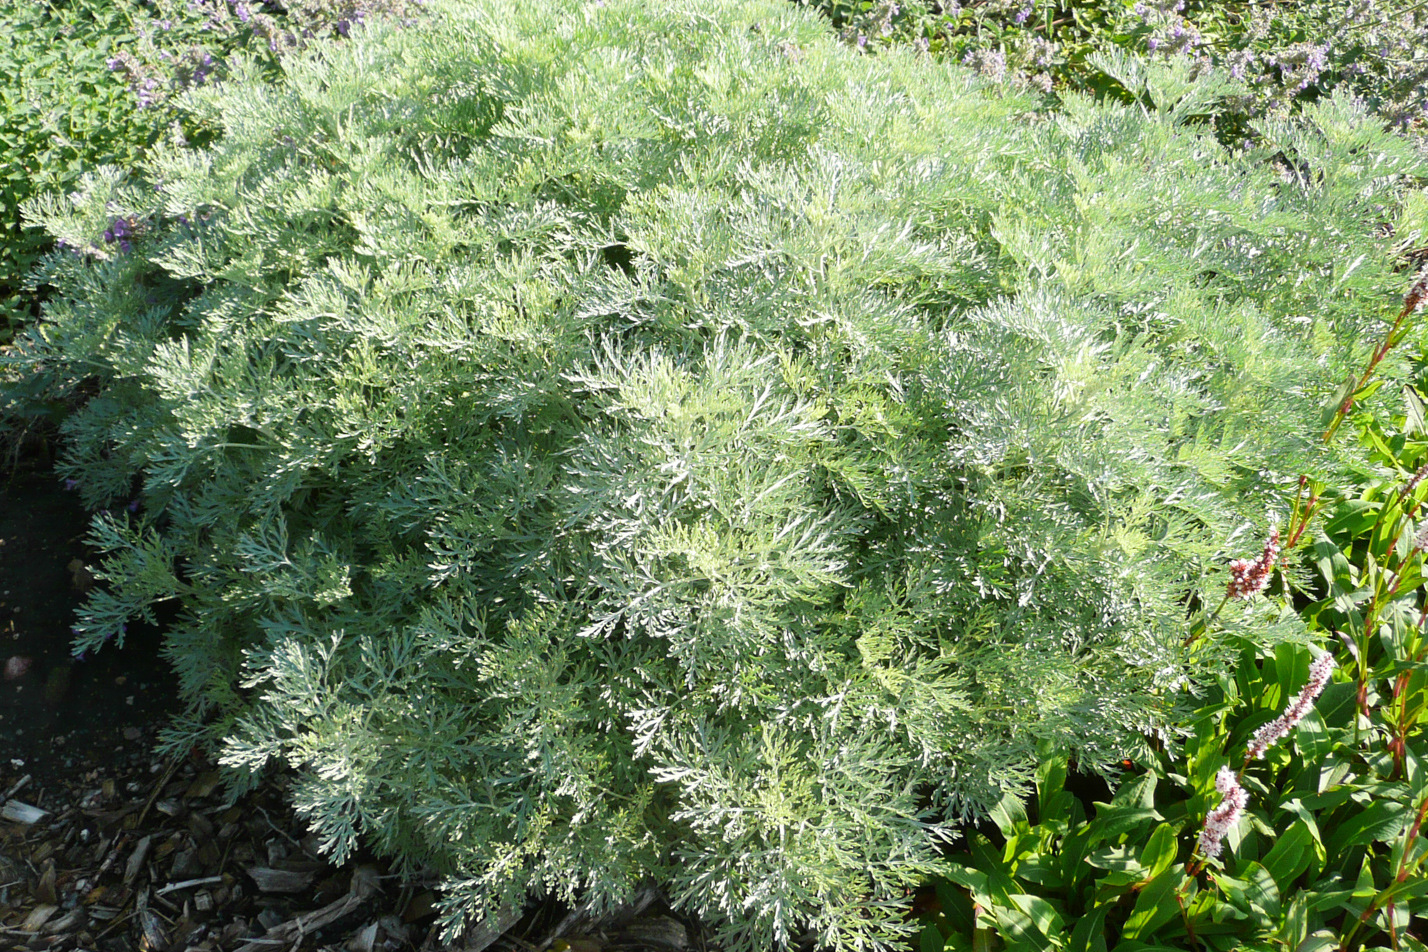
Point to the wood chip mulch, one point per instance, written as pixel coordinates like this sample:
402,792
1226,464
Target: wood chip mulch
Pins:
156,858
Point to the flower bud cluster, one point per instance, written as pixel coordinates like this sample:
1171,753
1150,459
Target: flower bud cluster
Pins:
1250,576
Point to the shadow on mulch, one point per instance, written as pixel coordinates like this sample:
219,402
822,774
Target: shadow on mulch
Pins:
105,846
60,717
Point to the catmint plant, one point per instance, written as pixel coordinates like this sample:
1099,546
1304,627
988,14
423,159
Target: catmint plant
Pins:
183,43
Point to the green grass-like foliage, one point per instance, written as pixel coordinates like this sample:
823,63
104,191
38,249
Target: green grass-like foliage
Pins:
598,442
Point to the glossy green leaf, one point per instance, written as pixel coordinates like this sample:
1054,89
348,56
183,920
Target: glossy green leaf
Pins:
1321,941
930,939
1415,412
1079,844
1154,906
1010,815
1378,821
1114,821
956,905
1019,931
1117,860
1290,856
1160,850
1294,927
1353,519
1044,869
1255,893
1052,801
1342,395
1089,933
1041,913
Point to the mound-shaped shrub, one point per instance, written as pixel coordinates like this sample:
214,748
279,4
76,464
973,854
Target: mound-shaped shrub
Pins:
599,442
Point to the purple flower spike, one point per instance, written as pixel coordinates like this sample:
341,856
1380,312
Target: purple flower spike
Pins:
133,505
71,485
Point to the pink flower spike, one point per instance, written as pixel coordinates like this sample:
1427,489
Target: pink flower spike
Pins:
1223,818
1271,733
1251,576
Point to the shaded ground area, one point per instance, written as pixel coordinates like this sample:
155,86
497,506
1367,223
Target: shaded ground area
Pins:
59,717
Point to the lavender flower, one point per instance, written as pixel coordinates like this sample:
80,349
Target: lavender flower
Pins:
120,231
1240,62
1223,818
990,63
1270,734
1251,576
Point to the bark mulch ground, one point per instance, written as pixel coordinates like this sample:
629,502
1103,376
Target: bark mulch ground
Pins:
154,857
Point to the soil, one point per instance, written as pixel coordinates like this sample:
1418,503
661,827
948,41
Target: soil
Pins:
105,845
60,716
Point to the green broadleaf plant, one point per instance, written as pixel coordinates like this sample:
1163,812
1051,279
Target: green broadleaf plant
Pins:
1329,853
1325,841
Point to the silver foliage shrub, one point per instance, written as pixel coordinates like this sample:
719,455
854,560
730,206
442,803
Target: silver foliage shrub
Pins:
592,442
